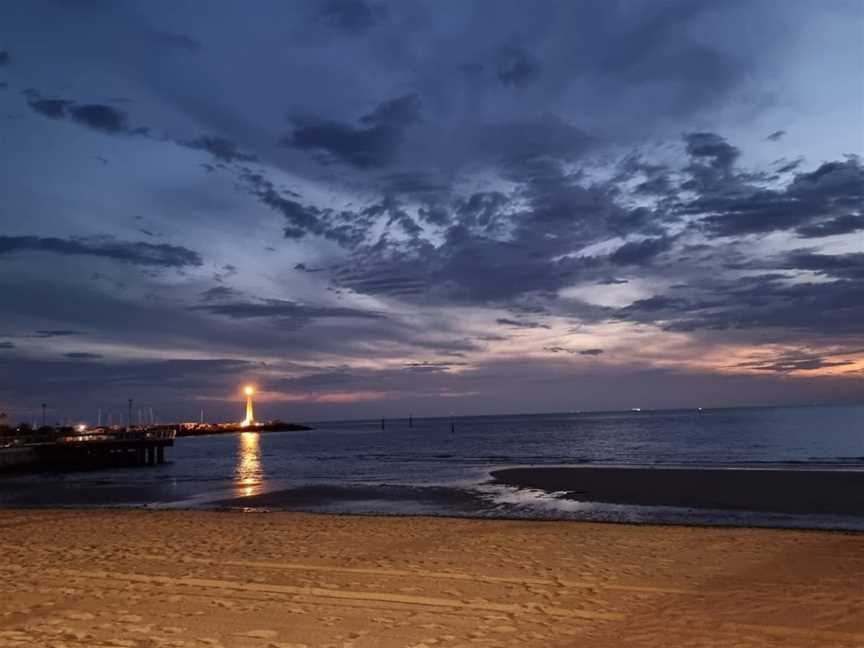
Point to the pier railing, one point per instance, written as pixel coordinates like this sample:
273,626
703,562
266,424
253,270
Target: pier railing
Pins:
163,434
89,436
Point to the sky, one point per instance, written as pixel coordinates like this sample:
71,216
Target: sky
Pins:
370,208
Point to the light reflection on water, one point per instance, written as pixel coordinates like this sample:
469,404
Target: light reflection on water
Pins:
248,475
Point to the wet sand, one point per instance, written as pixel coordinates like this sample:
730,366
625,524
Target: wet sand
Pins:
802,492
145,579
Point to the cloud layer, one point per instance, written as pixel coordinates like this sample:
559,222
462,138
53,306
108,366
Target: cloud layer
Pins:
365,205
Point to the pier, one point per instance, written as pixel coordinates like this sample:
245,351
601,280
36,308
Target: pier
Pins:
99,448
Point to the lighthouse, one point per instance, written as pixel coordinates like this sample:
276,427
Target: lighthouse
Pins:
250,416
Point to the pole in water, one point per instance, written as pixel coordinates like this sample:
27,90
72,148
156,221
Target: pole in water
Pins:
452,427
410,420
382,423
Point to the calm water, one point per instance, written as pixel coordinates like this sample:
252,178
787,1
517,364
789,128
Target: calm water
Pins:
358,467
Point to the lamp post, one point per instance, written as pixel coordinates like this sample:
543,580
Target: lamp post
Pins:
129,420
43,414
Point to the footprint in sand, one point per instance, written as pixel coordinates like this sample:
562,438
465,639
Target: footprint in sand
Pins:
257,634
130,618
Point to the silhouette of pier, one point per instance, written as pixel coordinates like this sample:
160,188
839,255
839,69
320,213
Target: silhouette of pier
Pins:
92,449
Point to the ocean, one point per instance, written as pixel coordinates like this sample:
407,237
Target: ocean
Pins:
440,466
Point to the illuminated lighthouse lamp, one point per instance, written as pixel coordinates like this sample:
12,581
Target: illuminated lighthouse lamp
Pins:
250,417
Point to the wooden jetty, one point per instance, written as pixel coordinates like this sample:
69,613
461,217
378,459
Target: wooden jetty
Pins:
91,449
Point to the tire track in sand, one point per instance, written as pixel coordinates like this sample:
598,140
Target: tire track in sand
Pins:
322,592
414,573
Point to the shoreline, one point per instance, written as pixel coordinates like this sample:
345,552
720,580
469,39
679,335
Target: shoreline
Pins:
454,517
234,580
681,496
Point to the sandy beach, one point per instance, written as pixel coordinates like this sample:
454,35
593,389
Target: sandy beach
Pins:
181,579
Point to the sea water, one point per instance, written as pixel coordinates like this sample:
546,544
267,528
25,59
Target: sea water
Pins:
440,466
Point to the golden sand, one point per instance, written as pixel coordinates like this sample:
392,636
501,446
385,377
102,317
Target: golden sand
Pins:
144,579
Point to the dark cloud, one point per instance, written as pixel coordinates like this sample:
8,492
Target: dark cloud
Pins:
657,50
591,352
776,135
168,384
503,321
470,266
795,361
427,366
291,313
218,293
82,355
100,117
520,143
373,145
459,269
831,191
793,310
712,161
180,41
482,210
347,228
220,148
839,266
845,224
302,267
7,345
641,252
144,254
583,352
5,58
657,185
53,108
789,166
393,278
352,16
515,66
654,304
55,333
418,184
